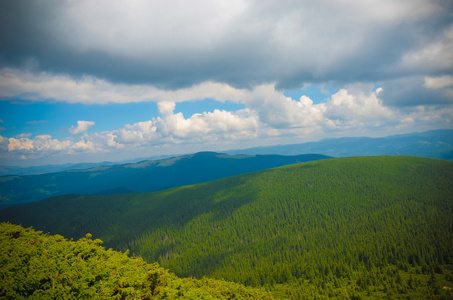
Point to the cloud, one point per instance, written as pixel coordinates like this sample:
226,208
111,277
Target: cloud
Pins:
166,107
417,90
19,144
432,54
45,145
358,106
24,135
266,100
208,125
438,82
389,61
36,122
242,43
138,133
43,86
121,53
278,111
175,128
82,126
267,114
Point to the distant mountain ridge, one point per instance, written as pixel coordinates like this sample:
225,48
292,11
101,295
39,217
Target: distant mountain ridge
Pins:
43,169
36,170
144,176
432,144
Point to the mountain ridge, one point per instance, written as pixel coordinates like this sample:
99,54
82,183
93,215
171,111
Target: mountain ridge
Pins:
432,144
144,176
442,135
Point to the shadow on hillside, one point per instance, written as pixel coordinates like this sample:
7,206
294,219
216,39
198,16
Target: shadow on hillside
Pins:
120,220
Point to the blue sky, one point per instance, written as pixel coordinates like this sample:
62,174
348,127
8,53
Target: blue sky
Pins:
117,80
55,118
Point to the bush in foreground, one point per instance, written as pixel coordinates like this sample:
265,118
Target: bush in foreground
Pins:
36,266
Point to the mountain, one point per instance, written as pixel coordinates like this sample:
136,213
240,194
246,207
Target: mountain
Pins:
50,267
433,144
43,169
35,170
354,227
144,176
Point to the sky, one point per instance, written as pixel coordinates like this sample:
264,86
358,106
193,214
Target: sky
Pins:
86,81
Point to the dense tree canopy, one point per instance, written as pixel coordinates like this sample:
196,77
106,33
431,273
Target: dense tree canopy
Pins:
37,266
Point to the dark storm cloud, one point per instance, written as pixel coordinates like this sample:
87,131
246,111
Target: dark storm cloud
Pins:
412,91
242,43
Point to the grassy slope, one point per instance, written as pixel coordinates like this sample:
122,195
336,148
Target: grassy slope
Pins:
336,221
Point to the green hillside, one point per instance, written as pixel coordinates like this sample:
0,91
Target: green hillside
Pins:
349,228
37,266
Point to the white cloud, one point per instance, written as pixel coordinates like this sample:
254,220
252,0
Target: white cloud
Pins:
221,121
428,116
277,110
166,107
19,144
200,126
358,106
46,145
89,90
138,133
438,82
82,126
268,113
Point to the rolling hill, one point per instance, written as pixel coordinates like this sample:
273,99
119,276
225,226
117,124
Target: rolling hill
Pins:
144,176
358,227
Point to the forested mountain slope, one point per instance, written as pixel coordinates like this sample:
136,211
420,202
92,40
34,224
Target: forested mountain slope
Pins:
348,227
37,266
145,176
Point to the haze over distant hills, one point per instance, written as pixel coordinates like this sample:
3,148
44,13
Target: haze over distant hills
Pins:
432,144
43,169
143,176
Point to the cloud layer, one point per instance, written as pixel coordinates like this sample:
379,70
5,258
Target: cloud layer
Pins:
267,114
174,44
389,61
